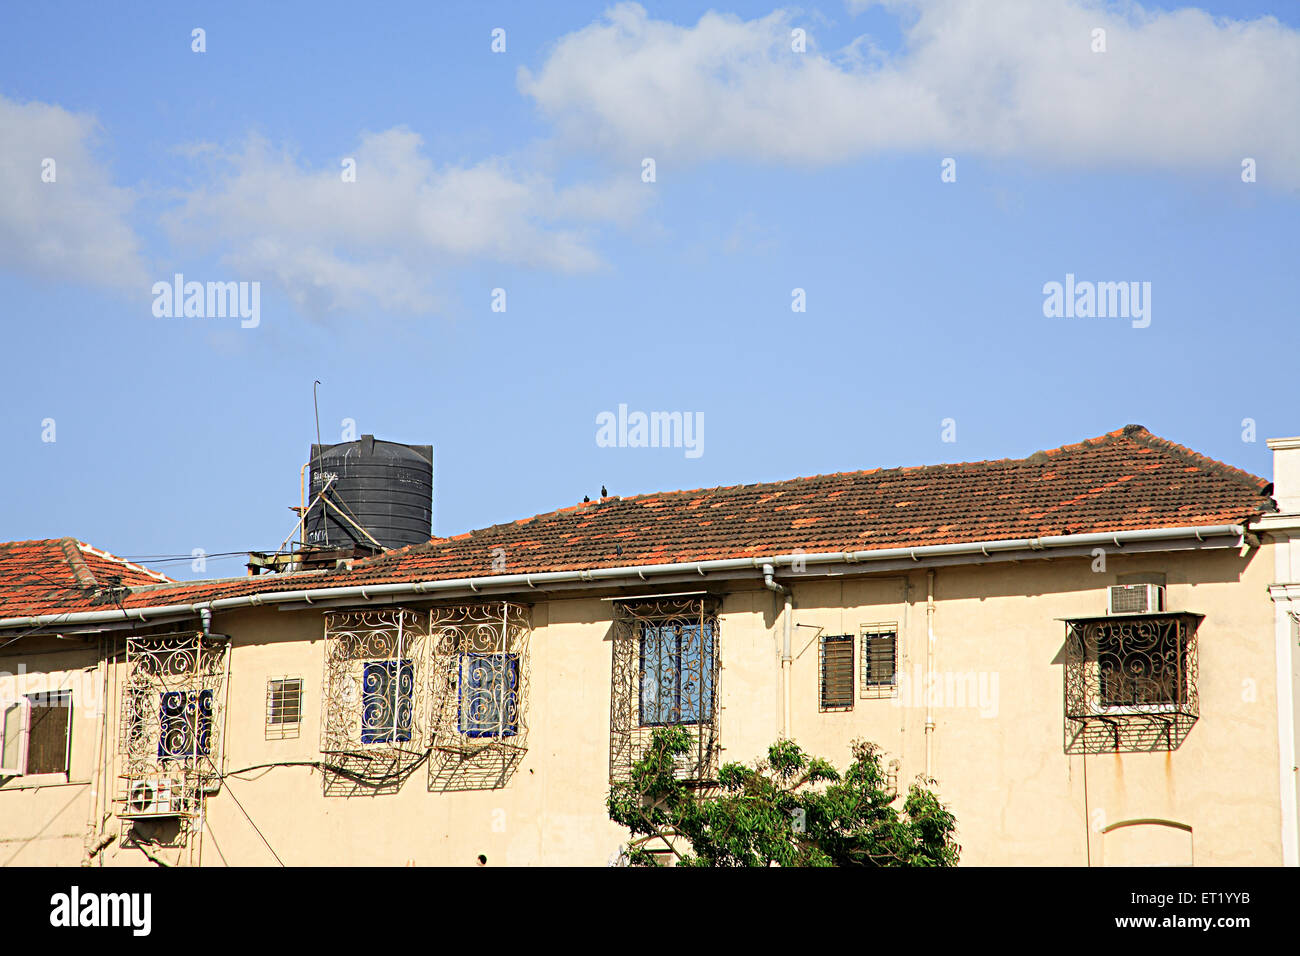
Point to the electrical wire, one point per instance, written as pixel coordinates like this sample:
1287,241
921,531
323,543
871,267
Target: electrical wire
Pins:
253,825
176,558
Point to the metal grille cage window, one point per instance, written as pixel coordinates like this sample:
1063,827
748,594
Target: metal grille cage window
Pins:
387,689
169,703
186,719
836,659
676,674
489,695
172,701
1130,682
375,699
283,707
666,656
879,660
480,667
447,685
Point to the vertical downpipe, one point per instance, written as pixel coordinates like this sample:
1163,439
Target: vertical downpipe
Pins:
929,673
96,779
770,582
786,661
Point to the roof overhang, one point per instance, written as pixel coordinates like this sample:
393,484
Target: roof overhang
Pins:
1143,616
695,573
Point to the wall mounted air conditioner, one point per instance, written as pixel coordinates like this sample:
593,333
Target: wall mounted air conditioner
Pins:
1136,599
155,797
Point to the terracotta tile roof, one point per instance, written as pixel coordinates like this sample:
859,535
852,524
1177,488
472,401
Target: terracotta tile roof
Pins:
1125,480
42,577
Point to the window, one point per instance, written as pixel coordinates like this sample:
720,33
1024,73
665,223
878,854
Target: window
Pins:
676,674
13,724
1130,682
49,733
36,733
1139,673
879,659
386,710
283,707
185,724
489,695
837,672
665,670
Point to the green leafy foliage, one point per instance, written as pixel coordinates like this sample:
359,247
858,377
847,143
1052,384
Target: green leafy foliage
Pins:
791,809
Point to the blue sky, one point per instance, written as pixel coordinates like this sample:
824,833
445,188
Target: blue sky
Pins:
522,171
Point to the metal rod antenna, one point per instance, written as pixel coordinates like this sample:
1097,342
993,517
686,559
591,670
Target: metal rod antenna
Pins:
325,525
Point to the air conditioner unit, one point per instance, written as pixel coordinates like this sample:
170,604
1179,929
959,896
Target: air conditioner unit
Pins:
1136,598
156,797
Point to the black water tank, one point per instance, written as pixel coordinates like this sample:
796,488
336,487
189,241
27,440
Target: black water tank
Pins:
383,486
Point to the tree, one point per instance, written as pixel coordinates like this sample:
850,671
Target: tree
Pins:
791,809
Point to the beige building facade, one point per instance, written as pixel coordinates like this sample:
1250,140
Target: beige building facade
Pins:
480,721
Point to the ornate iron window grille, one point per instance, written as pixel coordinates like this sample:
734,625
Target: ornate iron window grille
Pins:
666,661
1130,682
170,727
375,699
481,674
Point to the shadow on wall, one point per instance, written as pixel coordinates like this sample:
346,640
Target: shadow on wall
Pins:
372,774
450,769
489,768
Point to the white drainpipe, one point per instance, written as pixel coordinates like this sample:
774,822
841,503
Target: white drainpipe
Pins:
928,683
770,583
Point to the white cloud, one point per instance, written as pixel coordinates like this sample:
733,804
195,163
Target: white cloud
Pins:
75,227
1175,90
388,236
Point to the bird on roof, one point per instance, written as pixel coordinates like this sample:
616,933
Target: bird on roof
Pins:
586,498
603,492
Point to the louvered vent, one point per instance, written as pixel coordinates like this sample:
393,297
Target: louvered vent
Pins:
837,672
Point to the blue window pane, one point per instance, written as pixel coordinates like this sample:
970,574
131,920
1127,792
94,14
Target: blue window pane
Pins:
676,674
489,695
386,690
185,724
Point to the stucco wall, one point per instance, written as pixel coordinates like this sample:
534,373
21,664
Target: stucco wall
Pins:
998,754
43,819
1000,763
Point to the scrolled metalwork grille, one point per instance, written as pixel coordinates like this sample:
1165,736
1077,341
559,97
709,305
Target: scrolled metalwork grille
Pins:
481,674
666,660
387,692
1130,682
375,699
186,719
169,726
489,695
